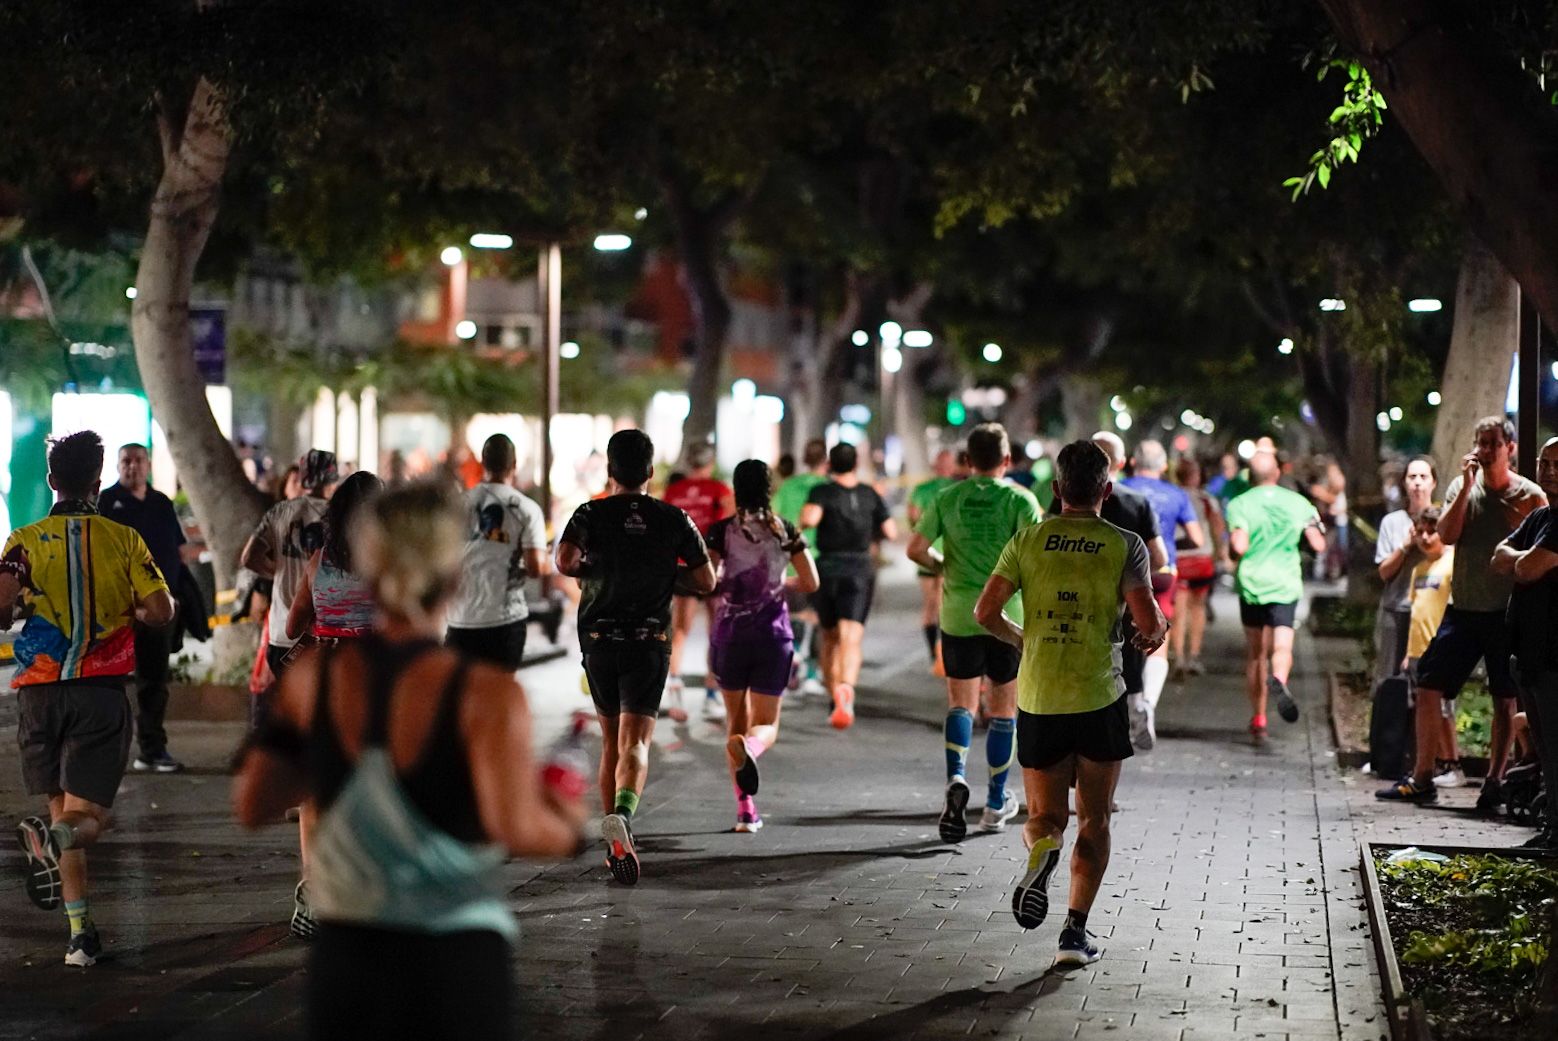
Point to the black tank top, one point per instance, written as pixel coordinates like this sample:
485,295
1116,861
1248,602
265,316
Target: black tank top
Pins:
439,782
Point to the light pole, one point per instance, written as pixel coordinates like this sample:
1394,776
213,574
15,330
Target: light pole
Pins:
549,286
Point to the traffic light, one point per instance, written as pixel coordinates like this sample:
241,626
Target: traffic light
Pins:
956,413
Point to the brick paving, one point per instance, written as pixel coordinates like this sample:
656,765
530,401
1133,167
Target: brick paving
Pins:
1230,910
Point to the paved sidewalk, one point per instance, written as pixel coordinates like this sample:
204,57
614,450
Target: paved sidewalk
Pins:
1230,909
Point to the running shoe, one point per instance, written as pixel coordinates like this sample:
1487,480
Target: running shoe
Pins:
811,686
748,819
1144,731
1452,776
1076,949
1491,802
1194,667
1407,790
84,949
302,925
1287,708
843,707
1258,728
995,817
713,706
675,693
620,856
746,773
1030,900
162,763
43,862
954,825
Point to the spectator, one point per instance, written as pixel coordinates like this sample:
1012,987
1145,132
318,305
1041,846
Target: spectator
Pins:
1485,503
1431,592
1396,553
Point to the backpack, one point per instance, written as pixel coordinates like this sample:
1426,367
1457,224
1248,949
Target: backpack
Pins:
1391,733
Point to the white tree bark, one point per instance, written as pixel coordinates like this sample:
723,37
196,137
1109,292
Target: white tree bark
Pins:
1482,348
182,213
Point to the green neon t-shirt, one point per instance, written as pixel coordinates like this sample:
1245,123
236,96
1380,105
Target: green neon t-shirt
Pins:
1271,571
974,520
791,496
1073,573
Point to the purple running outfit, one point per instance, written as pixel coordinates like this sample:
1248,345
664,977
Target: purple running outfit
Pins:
751,644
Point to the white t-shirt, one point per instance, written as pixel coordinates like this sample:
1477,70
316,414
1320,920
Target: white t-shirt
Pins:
1395,531
503,524
292,529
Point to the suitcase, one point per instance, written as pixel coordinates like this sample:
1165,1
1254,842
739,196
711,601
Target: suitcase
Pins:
1392,734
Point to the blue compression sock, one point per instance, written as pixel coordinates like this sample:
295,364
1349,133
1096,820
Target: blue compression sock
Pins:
1000,752
960,734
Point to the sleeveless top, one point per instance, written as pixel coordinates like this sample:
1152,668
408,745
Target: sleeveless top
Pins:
1202,504
343,603
401,851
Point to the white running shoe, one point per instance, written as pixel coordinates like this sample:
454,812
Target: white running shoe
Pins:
1144,732
1453,777
713,707
675,698
995,817
811,686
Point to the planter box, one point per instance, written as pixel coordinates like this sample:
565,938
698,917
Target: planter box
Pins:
1408,1020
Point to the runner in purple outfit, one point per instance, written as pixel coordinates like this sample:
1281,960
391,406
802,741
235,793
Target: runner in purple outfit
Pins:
750,646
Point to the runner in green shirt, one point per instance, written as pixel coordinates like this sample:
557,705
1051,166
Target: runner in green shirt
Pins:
1074,572
1264,528
972,521
788,501
945,467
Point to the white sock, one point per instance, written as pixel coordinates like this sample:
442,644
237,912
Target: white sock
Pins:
1153,675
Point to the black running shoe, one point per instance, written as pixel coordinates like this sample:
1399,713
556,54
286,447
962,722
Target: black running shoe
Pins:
1076,950
84,949
1030,900
302,924
43,862
620,855
954,825
1287,708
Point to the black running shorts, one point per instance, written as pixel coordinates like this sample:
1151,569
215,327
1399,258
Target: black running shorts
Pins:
1100,736
500,645
628,677
975,657
74,738
844,598
1267,616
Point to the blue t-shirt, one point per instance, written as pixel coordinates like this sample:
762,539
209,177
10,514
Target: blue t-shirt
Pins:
1170,505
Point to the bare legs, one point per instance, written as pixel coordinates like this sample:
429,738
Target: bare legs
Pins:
87,820
624,760
1048,813
1190,605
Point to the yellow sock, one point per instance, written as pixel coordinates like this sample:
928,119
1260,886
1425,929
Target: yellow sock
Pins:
80,917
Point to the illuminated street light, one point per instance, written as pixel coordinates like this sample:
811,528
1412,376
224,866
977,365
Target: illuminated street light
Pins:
992,353
1117,403
1434,398
1284,346
890,332
640,213
917,338
1246,449
451,256
1123,420
130,293
466,330
613,242
491,240
1189,417
568,349
743,390
1382,421
1424,305
1333,304
860,338
1396,414
892,359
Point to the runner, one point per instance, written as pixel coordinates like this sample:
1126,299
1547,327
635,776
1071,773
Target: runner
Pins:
1396,554
282,544
849,517
1483,505
1197,570
1132,511
1074,571
1264,528
705,500
333,602
943,468
135,502
420,762
789,500
624,550
750,646
974,519
81,583
1174,513
505,544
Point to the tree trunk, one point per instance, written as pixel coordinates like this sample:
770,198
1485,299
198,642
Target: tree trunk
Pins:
182,212
1082,400
1359,459
1482,347
1480,121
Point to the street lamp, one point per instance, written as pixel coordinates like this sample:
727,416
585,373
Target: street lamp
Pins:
613,242
917,338
491,240
992,353
1424,305
860,338
569,350
451,255
465,329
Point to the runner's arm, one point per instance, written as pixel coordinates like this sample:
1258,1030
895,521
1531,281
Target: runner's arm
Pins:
1315,537
811,515
258,556
300,614
1238,543
536,563
154,609
1194,534
14,577
1151,626
888,530
923,553
990,614
272,775
806,579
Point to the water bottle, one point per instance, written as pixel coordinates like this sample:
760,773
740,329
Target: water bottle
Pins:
567,770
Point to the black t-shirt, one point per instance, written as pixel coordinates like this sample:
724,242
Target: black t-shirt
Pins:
1532,615
1131,510
631,546
154,519
852,519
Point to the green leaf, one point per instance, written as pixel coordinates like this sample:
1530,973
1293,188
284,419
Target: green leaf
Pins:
1323,174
